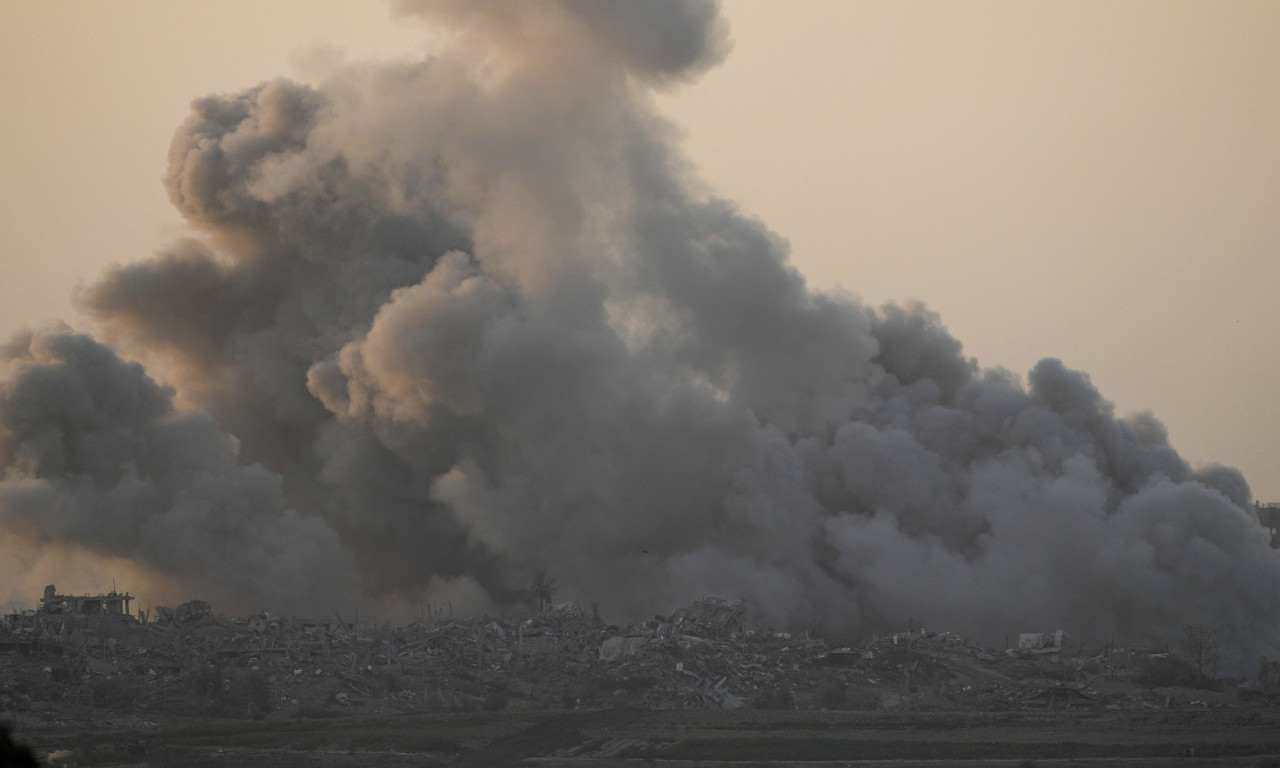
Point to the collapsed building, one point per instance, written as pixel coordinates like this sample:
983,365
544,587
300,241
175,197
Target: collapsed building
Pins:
1029,641
59,618
112,603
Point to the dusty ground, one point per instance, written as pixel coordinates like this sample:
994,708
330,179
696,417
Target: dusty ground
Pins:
680,739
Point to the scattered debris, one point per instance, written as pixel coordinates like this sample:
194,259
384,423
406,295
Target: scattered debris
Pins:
1038,640
80,653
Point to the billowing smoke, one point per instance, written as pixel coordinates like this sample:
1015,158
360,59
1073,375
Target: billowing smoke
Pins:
95,455
469,317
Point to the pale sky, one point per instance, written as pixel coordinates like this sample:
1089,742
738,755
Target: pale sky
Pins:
1093,181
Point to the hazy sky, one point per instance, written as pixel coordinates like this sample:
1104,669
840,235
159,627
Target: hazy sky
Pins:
1092,181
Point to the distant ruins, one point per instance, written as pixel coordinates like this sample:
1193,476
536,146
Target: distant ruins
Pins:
112,603
1269,517
79,654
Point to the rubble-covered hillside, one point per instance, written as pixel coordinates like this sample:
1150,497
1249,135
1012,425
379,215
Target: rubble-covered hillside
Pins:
191,662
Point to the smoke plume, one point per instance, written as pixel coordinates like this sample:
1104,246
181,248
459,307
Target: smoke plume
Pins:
96,456
451,321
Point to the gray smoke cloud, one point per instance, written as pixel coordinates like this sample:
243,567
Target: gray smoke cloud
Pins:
96,455
655,41
472,316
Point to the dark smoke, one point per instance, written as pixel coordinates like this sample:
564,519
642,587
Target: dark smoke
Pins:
473,317
96,455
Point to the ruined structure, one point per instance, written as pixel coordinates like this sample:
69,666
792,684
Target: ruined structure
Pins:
111,604
1269,517
728,617
1030,641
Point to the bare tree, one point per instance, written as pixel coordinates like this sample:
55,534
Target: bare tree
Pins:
1200,647
543,589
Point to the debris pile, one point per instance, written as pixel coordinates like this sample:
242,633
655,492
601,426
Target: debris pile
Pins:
188,661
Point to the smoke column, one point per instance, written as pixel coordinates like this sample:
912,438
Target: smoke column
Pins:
451,321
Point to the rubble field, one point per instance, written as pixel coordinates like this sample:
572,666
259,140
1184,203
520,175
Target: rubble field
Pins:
562,686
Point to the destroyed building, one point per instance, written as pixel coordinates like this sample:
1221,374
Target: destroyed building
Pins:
1038,640
112,603
727,617
1269,517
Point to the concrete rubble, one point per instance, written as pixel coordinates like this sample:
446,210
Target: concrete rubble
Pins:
189,661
